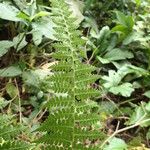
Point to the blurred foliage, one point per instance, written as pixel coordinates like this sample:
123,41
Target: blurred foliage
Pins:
117,35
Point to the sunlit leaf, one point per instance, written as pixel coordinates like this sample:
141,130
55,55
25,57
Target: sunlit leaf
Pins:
140,115
4,47
116,144
43,27
147,94
19,41
118,54
8,12
10,71
124,89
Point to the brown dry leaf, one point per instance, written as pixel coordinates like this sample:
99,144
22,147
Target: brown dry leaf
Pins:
48,65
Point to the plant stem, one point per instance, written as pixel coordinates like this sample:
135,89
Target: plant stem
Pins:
19,102
124,129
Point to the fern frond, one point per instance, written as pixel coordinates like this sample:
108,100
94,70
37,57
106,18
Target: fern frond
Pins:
71,121
14,146
8,132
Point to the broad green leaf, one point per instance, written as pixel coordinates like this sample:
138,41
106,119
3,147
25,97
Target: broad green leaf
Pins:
148,134
124,89
90,22
103,33
107,107
40,14
11,71
11,90
3,103
133,36
43,27
147,107
76,7
129,22
118,54
116,144
112,42
120,28
128,69
42,73
8,12
140,115
147,94
4,47
23,16
137,70
113,79
102,39
19,41
121,18
31,79
112,82
102,60
126,21
137,115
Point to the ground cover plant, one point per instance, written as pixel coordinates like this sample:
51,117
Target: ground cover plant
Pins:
74,74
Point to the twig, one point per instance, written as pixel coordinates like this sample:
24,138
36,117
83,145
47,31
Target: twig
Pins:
19,102
40,113
124,129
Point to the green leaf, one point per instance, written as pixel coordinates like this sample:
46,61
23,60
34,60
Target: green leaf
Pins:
133,36
140,114
3,103
11,71
102,60
147,107
147,94
138,2
124,89
8,12
4,47
23,16
126,21
137,115
112,82
11,90
76,7
148,134
103,33
34,78
116,144
107,107
121,18
118,54
43,27
120,28
31,79
113,79
129,22
19,41
40,14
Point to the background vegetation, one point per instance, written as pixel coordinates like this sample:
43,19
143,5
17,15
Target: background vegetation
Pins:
117,43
